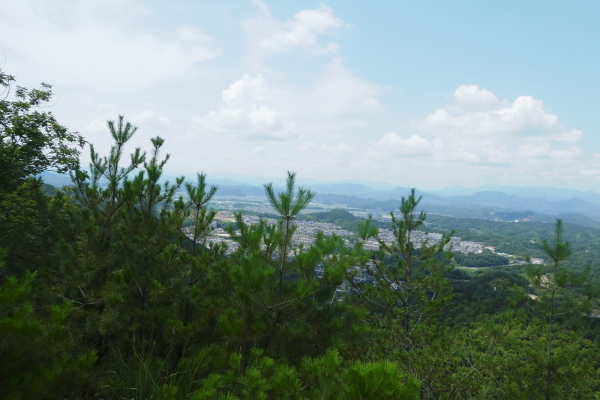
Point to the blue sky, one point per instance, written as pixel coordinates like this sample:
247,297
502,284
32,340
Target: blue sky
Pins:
427,94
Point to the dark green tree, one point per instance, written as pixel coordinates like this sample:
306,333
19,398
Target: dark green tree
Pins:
36,345
31,141
407,296
283,305
559,298
137,275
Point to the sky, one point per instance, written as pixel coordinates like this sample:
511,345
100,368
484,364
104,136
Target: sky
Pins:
426,94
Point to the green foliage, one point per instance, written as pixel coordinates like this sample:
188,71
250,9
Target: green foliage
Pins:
31,141
324,377
38,358
341,218
407,296
524,238
279,296
132,267
412,289
486,292
515,366
485,259
558,299
361,380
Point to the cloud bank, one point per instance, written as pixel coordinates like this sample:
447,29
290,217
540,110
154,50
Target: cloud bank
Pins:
478,135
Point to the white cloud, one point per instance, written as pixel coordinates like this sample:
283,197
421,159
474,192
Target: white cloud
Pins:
262,6
264,116
479,135
590,172
246,115
149,117
570,154
325,120
326,155
478,128
415,145
571,136
255,150
256,108
340,148
337,93
534,150
525,115
302,30
261,124
392,146
104,49
494,153
592,168
473,96
96,126
244,90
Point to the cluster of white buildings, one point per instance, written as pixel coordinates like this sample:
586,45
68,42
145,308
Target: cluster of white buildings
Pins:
306,231
468,247
419,237
235,203
257,204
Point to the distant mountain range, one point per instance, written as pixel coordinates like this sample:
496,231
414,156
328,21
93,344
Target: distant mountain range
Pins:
549,193
505,203
482,204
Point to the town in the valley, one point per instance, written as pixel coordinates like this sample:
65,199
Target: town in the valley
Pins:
306,231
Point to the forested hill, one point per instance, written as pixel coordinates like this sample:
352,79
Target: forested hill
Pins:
344,219
334,216
516,238
506,211
524,238
339,217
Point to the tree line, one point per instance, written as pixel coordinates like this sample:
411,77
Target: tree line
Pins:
484,259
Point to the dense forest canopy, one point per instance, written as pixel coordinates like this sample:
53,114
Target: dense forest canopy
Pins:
485,259
111,288
524,238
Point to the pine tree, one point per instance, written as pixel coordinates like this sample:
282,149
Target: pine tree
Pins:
407,295
282,306
132,268
39,356
559,299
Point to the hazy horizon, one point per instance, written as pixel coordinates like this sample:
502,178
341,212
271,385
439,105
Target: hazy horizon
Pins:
220,178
